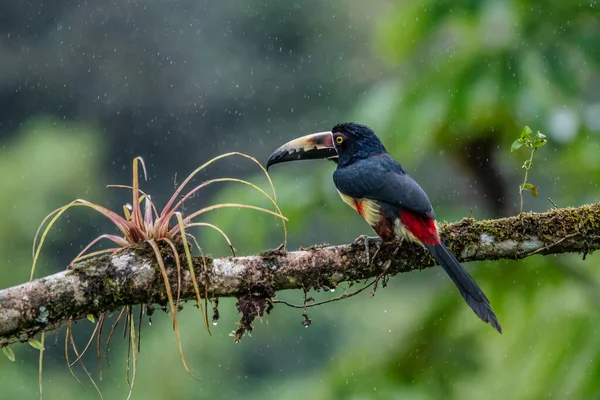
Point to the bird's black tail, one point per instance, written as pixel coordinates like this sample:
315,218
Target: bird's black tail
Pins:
467,287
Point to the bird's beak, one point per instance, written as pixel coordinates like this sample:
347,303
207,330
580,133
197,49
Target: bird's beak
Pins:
316,145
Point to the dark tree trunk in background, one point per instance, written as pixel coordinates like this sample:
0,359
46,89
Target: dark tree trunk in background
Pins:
478,158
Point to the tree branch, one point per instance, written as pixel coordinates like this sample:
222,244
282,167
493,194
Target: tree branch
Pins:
131,276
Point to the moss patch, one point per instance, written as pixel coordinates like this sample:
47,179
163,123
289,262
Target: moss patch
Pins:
252,305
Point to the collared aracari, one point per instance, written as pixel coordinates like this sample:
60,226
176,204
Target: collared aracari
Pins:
370,181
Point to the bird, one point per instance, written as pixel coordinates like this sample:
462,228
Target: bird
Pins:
375,185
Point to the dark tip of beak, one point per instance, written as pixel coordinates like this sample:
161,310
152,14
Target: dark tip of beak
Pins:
315,146
278,157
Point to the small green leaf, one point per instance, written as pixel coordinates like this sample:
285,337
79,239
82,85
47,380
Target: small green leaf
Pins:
9,353
525,133
534,191
527,186
35,344
91,318
517,144
540,140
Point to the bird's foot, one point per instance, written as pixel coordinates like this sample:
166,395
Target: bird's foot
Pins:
365,239
367,252
359,239
400,243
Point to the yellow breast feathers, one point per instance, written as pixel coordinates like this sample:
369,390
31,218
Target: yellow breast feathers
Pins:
368,209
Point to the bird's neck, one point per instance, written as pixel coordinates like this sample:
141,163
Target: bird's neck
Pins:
384,160
353,155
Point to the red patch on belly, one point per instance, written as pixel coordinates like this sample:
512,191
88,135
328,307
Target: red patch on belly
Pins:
421,226
359,207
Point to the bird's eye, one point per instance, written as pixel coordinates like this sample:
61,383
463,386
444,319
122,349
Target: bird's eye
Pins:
339,139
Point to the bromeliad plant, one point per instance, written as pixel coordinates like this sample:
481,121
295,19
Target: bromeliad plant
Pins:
142,223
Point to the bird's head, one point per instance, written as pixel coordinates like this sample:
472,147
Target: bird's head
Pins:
344,144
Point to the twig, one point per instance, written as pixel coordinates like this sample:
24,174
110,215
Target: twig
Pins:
552,244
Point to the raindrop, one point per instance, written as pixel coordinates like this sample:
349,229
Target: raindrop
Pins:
215,322
332,290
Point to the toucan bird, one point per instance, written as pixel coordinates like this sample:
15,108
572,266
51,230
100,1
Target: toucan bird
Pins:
370,181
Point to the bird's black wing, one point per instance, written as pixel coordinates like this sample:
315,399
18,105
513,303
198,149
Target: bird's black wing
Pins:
381,178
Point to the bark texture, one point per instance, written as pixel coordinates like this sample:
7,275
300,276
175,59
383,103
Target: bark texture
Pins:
132,276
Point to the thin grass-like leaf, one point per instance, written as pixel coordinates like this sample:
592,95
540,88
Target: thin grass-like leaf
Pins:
40,363
216,180
101,320
132,343
37,232
67,336
110,334
188,257
87,346
162,223
205,271
178,265
116,219
127,322
187,219
127,212
56,213
148,221
264,170
218,230
113,238
144,195
74,347
95,253
168,208
163,271
139,344
187,180
136,214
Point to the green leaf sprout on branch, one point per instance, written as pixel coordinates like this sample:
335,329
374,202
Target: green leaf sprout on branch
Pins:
533,143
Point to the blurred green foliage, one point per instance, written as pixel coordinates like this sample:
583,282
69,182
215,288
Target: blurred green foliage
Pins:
471,68
463,77
49,163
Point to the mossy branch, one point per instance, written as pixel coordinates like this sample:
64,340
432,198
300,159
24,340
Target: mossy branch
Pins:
132,276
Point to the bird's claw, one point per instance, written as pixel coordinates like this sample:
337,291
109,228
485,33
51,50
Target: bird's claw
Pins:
366,240
400,242
361,238
367,252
